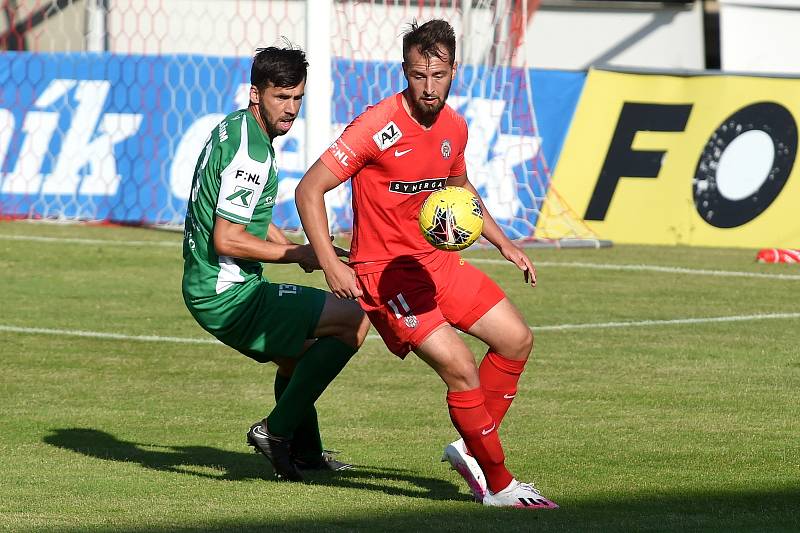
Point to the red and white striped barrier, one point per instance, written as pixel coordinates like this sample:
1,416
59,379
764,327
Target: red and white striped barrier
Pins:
778,255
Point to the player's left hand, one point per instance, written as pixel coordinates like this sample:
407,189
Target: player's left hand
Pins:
518,257
341,252
310,266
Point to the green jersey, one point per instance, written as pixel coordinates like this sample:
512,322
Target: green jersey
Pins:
236,178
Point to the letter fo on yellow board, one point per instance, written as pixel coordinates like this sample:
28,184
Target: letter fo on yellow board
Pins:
698,160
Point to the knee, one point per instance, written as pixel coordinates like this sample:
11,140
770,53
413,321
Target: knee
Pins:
528,341
461,376
354,328
361,329
519,343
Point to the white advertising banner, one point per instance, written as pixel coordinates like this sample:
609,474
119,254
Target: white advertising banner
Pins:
760,36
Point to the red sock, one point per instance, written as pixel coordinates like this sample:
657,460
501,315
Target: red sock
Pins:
499,376
479,431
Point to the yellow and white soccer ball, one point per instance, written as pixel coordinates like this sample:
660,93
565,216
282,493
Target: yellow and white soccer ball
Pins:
451,218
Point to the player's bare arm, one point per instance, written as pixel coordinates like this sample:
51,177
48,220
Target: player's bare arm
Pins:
495,235
310,200
274,234
231,239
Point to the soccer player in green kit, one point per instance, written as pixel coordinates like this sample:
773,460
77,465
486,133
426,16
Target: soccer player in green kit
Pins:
309,333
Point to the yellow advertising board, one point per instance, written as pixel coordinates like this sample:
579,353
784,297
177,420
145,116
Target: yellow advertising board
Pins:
701,160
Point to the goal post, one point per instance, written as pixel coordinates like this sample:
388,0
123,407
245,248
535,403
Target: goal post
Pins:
105,104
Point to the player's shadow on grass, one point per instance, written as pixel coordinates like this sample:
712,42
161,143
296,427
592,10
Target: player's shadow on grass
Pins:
216,464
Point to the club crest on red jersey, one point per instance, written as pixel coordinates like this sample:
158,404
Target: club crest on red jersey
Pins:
446,150
387,136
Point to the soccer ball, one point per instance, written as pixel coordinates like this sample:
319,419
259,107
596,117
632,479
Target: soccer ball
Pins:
451,218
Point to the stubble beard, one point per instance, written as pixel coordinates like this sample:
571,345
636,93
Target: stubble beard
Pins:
272,130
429,112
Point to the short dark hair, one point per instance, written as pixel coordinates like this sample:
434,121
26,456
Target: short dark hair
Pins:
283,67
430,38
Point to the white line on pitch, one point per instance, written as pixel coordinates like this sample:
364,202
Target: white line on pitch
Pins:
99,242
565,264
649,268
101,335
670,322
555,327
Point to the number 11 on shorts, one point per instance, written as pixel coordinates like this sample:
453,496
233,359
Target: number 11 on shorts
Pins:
410,319
403,303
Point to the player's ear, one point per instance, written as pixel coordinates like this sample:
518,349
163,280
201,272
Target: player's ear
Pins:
453,73
255,98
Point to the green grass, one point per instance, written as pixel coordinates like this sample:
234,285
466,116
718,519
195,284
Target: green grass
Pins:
661,427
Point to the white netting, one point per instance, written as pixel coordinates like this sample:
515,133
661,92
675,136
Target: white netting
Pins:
105,104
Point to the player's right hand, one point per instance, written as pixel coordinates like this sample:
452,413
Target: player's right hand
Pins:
308,259
517,256
341,280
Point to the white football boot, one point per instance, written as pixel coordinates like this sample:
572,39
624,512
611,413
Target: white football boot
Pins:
519,495
466,465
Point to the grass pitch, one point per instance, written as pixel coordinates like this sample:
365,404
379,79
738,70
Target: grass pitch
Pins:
662,396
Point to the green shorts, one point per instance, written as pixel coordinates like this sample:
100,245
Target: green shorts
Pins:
260,319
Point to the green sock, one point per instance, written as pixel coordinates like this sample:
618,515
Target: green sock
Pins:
307,442
319,365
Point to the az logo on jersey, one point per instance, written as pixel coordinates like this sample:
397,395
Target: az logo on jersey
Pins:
389,135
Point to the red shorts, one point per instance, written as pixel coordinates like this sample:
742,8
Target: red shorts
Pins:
407,304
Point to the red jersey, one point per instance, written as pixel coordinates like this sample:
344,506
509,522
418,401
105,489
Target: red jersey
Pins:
394,164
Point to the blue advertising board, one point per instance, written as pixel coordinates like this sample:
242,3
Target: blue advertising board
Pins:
116,137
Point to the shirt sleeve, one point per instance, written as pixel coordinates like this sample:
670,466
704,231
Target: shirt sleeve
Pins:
353,149
242,179
240,188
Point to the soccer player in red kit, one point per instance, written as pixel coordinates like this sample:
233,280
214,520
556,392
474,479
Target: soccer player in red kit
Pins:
417,296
